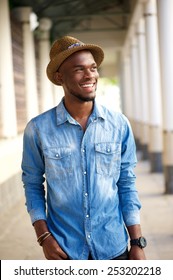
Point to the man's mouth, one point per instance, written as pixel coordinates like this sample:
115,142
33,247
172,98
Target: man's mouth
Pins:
87,85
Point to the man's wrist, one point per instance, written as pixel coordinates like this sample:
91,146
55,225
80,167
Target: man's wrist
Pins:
43,237
140,242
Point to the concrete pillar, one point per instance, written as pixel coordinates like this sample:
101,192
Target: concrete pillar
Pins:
23,15
128,101
135,89
46,88
154,86
143,88
7,91
58,93
165,11
121,80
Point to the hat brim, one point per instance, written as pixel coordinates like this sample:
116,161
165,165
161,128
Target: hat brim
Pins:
56,62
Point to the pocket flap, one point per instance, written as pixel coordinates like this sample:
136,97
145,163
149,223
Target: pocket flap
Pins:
107,148
57,153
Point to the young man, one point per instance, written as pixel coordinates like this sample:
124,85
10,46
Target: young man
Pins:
87,155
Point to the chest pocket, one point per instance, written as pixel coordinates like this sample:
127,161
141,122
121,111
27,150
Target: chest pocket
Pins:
108,158
58,161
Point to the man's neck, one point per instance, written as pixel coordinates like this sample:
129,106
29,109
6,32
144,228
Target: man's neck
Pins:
80,111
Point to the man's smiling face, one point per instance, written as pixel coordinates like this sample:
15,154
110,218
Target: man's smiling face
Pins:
78,75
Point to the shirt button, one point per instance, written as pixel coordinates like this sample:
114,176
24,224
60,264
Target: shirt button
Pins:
83,150
89,236
87,216
108,150
84,173
86,194
57,155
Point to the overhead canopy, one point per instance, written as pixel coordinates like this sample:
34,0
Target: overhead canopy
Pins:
80,15
102,22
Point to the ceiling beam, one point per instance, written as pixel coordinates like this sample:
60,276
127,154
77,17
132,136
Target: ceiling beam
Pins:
98,30
84,16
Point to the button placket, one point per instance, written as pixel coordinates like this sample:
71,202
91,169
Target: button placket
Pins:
85,192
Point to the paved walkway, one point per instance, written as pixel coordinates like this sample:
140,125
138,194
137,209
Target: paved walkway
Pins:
18,240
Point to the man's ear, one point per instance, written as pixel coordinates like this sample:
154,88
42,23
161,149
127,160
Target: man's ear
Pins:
58,77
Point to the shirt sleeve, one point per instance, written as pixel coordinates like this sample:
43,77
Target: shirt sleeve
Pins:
128,194
33,173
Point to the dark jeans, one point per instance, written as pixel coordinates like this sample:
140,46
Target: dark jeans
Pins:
123,256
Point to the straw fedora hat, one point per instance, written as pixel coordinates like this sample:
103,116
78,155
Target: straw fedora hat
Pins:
66,46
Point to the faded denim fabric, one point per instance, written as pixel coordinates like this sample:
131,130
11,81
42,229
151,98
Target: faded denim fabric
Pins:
91,193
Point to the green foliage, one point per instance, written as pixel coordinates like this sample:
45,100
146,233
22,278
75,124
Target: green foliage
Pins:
109,81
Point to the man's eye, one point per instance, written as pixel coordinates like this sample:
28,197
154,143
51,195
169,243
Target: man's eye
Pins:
94,68
78,69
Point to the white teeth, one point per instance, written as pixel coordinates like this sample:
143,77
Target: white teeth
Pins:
87,85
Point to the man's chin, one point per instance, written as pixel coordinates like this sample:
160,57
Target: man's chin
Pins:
86,98
89,99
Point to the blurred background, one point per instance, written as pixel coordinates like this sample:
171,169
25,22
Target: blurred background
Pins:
136,78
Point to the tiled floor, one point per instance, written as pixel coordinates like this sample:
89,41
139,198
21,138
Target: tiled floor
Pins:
156,213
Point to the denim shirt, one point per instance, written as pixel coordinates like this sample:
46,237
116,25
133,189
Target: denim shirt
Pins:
90,194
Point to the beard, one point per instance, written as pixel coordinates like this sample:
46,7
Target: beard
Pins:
84,98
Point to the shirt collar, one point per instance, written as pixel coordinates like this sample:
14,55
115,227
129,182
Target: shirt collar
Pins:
63,116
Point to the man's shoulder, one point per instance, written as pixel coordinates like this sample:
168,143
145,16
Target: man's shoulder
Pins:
45,115
112,115
42,120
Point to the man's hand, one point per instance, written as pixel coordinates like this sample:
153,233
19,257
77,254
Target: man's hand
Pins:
52,250
136,253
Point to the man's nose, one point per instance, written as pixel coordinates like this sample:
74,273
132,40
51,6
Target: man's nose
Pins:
89,74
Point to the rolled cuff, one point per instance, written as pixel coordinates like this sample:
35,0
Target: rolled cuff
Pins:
132,218
36,214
